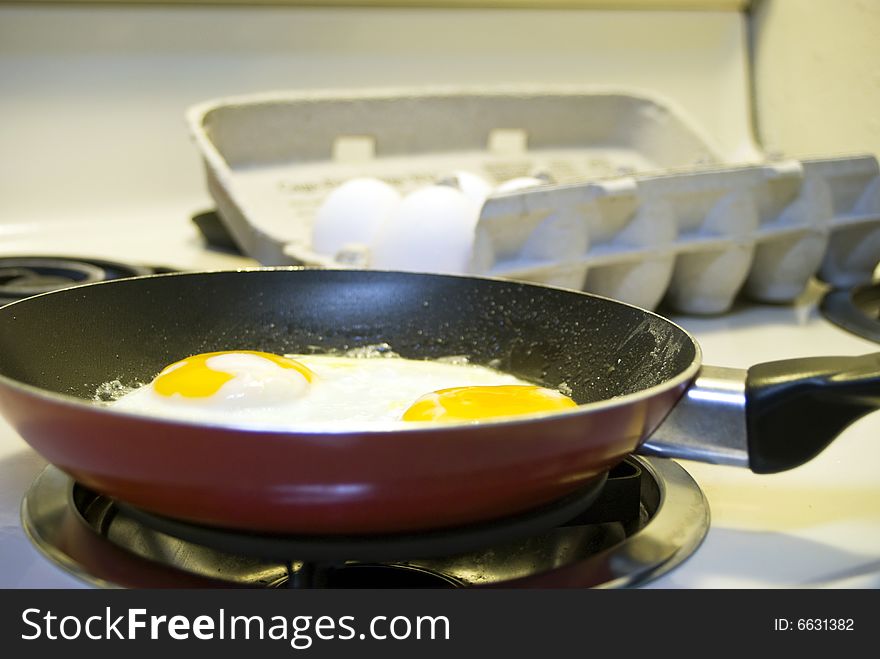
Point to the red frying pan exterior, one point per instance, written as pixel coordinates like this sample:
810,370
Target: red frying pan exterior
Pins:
335,483
341,483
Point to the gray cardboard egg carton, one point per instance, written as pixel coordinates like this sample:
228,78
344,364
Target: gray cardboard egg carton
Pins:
641,208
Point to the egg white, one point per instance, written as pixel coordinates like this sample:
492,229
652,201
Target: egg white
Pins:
258,388
345,393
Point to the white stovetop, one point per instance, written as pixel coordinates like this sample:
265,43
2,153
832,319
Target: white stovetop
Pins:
815,526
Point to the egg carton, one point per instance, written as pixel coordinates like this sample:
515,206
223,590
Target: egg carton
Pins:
696,239
642,208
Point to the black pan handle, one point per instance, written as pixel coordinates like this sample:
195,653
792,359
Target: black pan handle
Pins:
773,417
796,407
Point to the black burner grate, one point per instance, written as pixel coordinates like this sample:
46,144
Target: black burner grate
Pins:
24,276
600,514
390,547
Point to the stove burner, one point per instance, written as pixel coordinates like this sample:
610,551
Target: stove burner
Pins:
856,310
31,276
649,516
324,549
23,276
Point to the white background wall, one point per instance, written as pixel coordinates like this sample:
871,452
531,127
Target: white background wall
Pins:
817,75
92,97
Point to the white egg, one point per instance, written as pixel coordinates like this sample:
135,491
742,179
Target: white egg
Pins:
521,183
354,212
432,230
472,186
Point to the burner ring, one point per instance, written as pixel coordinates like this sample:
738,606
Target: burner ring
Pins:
23,277
856,310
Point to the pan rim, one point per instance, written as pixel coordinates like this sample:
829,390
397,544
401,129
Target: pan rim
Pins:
684,377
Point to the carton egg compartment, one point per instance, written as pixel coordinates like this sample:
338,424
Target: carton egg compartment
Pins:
641,212
696,239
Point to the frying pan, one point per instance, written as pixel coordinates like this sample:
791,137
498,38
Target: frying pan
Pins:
635,375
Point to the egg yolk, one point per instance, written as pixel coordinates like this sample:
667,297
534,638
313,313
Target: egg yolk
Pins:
193,378
485,402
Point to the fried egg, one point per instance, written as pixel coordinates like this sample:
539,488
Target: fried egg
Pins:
330,392
471,404
243,384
